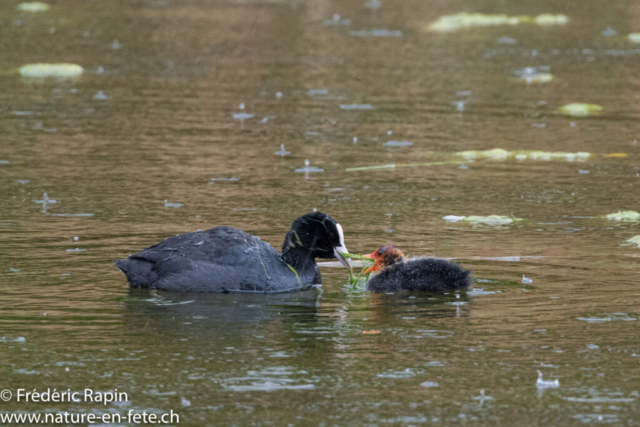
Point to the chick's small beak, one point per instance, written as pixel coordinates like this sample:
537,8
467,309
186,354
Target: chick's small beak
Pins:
373,255
336,253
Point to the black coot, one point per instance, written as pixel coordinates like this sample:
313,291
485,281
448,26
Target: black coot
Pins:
391,272
225,259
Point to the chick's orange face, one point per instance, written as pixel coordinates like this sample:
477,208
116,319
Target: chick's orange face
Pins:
384,256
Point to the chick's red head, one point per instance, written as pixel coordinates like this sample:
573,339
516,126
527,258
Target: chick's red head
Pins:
384,256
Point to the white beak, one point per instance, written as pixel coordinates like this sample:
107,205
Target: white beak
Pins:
342,248
336,253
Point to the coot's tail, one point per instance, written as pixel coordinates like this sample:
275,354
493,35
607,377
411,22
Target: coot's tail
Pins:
441,276
139,272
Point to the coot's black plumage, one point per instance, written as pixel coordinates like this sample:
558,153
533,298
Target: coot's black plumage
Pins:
225,259
422,274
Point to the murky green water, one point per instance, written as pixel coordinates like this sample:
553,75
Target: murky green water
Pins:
151,120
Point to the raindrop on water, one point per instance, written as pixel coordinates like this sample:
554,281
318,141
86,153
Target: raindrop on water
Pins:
100,96
282,151
542,383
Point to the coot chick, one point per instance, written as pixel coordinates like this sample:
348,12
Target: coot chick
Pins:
392,273
225,259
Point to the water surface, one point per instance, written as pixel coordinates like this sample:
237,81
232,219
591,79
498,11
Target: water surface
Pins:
150,142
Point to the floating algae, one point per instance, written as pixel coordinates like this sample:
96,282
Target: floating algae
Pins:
493,154
550,19
546,155
491,220
534,75
50,70
458,21
453,218
634,37
496,153
463,20
406,165
501,154
360,279
580,109
35,6
365,168
537,78
634,240
624,216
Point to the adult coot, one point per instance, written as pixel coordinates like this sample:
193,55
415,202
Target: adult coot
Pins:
225,259
392,272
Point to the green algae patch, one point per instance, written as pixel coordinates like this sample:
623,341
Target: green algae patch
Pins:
469,156
634,37
491,220
552,155
550,19
626,216
501,154
496,154
393,166
50,70
360,279
35,6
634,241
464,20
449,23
580,109
365,168
536,78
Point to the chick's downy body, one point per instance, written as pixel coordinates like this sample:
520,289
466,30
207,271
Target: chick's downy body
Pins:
393,273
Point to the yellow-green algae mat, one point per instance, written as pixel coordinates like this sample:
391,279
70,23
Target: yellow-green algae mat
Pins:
35,6
634,241
361,278
493,154
405,165
634,37
491,220
580,109
535,78
50,70
626,216
500,154
458,21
